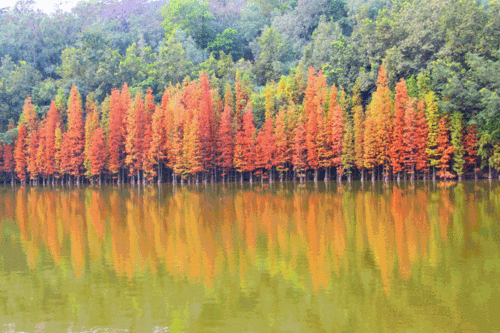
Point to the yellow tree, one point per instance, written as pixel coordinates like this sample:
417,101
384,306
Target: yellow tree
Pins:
380,112
359,130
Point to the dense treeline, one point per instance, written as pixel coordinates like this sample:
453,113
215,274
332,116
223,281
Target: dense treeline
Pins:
194,134
262,48
101,45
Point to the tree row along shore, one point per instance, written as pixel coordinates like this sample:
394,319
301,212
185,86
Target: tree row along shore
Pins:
310,131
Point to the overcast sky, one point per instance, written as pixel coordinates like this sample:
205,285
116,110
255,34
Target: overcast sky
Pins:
45,5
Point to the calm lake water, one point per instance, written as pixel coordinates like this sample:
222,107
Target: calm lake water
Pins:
267,258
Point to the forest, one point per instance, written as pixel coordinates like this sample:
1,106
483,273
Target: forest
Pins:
284,90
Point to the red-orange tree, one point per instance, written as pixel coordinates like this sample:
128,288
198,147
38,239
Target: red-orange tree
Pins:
410,139
422,132
282,147
225,139
134,145
397,151
470,146
206,125
157,149
41,162
444,150
32,123
98,153
91,123
116,140
249,142
337,134
20,155
300,149
359,129
76,134
50,139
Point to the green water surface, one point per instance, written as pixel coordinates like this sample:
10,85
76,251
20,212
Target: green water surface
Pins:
262,258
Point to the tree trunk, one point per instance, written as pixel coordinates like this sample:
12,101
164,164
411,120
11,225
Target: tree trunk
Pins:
316,175
373,174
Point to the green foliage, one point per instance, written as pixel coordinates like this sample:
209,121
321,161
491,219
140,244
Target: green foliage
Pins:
9,137
485,149
412,87
16,82
228,43
270,63
172,65
432,116
192,16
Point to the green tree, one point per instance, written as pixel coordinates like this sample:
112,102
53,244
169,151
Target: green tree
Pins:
192,16
270,62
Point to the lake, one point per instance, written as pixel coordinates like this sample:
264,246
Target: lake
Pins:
285,257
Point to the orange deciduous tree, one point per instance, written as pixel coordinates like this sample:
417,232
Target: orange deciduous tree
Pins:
410,139
249,142
397,152
191,144
225,141
98,153
380,121
20,154
91,123
282,147
207,126
33,134
134,144
76,134
311,135
337,134
157,149
359,129
50,140
369,142
175,137
41,162
471,146
422,132
116,140
444,149
300,149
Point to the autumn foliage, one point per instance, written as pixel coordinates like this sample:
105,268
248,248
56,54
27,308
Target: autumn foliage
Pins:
297,129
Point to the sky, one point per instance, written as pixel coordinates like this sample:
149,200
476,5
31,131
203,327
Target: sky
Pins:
45,5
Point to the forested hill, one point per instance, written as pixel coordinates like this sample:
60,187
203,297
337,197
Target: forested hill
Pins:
449,47
101,45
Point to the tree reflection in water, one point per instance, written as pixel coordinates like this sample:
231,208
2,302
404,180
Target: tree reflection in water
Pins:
342,257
